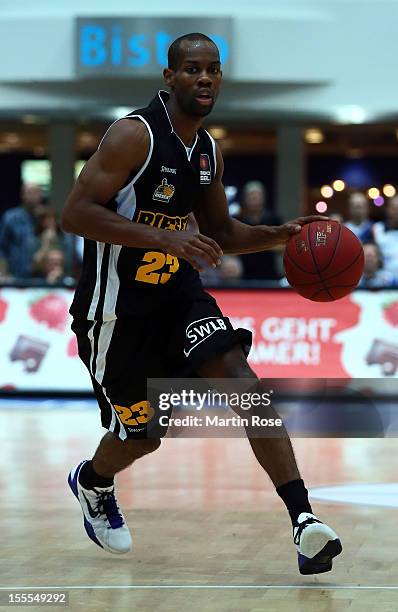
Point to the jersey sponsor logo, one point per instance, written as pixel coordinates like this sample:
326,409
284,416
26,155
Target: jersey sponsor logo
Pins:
136,414
164,192
205,173
200,330
148,217
166,169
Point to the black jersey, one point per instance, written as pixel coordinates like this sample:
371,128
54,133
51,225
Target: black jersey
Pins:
118,280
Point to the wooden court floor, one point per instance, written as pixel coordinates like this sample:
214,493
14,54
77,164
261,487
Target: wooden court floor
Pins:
209,533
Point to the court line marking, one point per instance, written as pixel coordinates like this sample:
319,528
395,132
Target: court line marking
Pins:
201,586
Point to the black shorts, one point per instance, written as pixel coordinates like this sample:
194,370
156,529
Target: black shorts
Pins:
173,342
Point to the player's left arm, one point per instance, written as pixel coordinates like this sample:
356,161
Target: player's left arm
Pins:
232,235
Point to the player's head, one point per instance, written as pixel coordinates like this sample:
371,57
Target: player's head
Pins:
373,258
31,195
254,197
358,205
194,73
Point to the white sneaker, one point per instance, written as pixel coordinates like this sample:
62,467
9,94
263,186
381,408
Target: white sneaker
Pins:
103,520
316,544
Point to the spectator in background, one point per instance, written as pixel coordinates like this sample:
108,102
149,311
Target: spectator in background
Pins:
230,270
358,220
336,216
51,267
374,274
210,277
50,236
17,233
261,265
385,234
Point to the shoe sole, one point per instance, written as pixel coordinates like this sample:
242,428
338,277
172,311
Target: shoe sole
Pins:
322,562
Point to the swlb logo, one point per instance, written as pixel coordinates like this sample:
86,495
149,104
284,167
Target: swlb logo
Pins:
200,330
205,173
164,192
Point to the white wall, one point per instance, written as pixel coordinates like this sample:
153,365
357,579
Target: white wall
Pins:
295,57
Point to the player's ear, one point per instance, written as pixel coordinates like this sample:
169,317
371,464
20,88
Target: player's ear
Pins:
168,75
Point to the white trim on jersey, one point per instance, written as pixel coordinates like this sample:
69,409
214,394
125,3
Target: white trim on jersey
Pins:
187,149
148,159
113,421
122,432
97,289
104,341
213,144
165,109
126,205
150,136
126,201
112,285
90,336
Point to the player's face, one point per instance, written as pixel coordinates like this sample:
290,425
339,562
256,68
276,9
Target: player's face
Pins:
359,209
197,80
254,201
371,258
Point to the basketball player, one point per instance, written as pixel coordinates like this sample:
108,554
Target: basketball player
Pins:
140,289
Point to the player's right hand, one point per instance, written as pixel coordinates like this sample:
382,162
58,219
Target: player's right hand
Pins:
199,250
284,232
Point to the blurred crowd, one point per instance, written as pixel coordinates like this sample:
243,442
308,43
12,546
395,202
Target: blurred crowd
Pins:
32,245
379,239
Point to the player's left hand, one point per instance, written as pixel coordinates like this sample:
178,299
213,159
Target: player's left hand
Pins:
284,232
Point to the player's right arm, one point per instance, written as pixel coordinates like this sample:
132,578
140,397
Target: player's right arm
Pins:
122,153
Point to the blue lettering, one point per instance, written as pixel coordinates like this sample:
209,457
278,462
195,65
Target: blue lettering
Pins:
163,41
141,55
223,47
92,48
117,46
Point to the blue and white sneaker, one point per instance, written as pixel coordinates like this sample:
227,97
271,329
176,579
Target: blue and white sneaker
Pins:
103,520
316,544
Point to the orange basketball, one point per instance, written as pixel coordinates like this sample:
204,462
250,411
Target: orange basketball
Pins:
324,262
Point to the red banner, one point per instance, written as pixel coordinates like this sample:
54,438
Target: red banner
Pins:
356,337
294,337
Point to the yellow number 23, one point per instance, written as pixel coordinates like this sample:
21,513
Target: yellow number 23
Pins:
148,272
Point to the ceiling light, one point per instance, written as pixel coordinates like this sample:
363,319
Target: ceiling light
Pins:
373,193
389,191
338,185
314,136
321,207
326,191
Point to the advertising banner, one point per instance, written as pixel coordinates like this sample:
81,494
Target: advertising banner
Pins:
356,337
